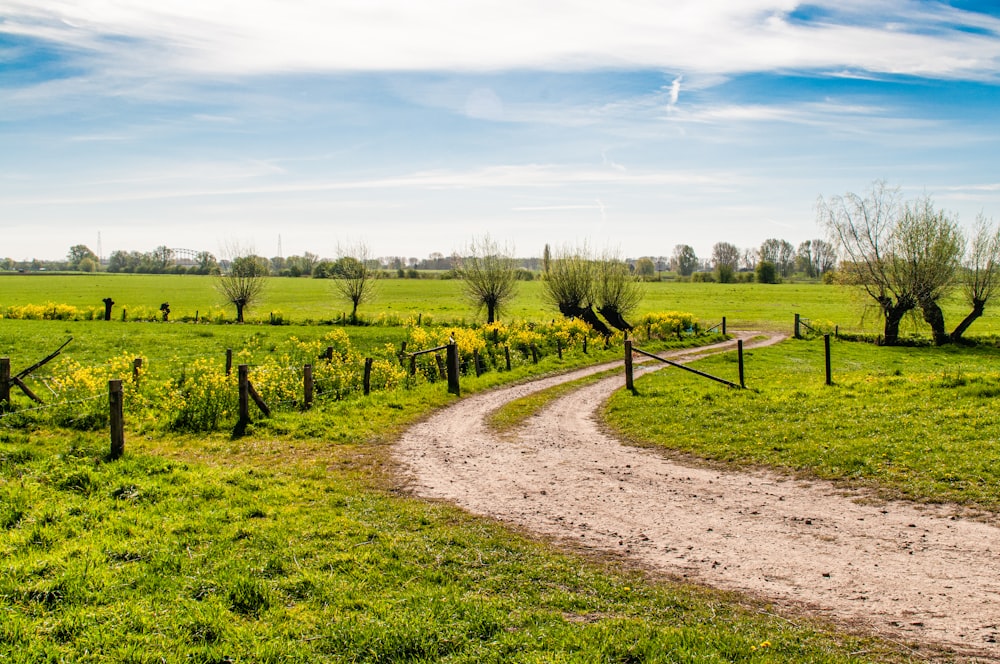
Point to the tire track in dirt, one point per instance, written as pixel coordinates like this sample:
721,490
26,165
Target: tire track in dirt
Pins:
919,574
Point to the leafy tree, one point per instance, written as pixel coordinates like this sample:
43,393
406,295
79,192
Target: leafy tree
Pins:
684,260
206,263
79,253
355,276
489,274
645,268
243,283
766,273
725,260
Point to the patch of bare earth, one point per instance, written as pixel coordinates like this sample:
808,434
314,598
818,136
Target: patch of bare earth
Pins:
909,573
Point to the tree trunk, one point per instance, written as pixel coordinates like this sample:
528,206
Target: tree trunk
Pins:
611,315
239,312
935,318
354,313
978,307
587,315
894,313
491,310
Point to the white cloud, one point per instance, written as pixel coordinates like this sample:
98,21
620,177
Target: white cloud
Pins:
709,36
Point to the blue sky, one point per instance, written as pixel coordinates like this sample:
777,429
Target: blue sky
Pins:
414,126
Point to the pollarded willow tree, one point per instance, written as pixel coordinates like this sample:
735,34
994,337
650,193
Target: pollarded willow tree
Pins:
356,276
929,244
863,228
981,273
576,283
242,284
617,293
489,276
909,255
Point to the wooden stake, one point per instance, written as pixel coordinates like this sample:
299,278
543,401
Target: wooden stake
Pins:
4,382
739,347
116,403
452,363
368,376
629,384
243,371
307,386
829,373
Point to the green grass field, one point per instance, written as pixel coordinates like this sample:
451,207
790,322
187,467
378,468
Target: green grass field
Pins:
916,423
293,544
745,306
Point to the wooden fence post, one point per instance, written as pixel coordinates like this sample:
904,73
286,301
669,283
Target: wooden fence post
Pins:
584,345
739,348
229,361
629,385
440,365
115,402
534,354
829,374
136,368
307,385
452,363
124,314
243,371
723,324
4,382
368,376
506,356
402,353
413,365
559,348
797,335
475,361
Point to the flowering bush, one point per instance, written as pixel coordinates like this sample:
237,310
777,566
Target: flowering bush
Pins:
201,397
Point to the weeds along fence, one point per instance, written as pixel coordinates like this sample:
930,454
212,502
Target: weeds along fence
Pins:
198,394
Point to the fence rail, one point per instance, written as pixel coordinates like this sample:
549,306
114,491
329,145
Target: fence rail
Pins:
630,349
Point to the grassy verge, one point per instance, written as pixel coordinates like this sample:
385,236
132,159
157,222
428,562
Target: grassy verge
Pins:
511,415
917,423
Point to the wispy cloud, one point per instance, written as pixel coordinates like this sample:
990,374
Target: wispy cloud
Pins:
262,36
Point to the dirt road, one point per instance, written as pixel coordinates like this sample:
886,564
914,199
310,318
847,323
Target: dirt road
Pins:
915,574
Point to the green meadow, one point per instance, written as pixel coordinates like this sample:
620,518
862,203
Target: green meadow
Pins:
294,543
746,306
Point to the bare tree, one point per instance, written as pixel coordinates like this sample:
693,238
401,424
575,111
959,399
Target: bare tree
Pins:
489,274
356,276
243,283
982,268
863,230
824,256
617,292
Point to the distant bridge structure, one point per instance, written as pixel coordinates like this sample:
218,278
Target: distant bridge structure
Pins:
186,256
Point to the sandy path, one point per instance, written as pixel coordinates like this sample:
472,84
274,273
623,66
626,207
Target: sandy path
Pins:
905,572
